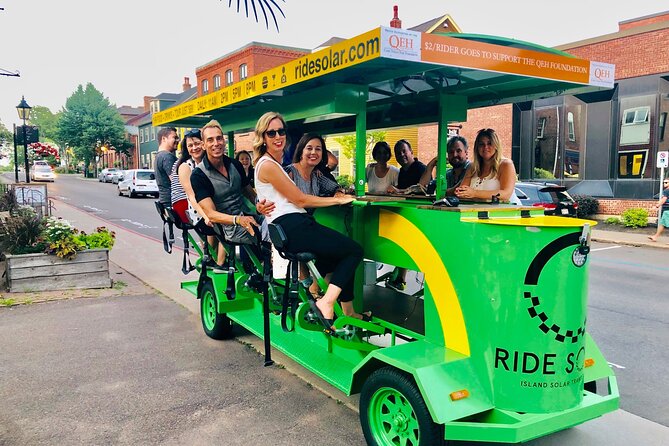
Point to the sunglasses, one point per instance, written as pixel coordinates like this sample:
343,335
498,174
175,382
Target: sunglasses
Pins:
273,133
191,133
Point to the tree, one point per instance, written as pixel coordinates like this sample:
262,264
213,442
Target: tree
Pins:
6,136
88,122
47,123
347,143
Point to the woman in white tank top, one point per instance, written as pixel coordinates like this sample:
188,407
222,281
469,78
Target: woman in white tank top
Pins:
334,252
491,174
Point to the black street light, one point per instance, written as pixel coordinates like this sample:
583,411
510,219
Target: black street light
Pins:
24,113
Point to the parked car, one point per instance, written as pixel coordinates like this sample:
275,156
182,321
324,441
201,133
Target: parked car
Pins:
117,176
40,163
105,175
42,172
553,198
138,182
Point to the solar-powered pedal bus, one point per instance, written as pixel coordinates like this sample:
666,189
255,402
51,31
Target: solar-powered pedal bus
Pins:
493,346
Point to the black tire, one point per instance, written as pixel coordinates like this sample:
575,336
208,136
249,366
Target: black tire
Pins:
131,194
214,324
391,387
120,194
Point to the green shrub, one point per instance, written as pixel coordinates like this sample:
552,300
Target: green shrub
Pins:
613,221
66,247
635,218
587,205
8,202
65,169
345,181
543,174
22,233
101,238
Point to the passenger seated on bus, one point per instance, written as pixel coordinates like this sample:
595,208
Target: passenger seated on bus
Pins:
306,171
218,183
183,197
379,175
491,175
245,159
410,172
334,251
458,158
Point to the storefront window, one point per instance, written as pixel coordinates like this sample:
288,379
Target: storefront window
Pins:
636,119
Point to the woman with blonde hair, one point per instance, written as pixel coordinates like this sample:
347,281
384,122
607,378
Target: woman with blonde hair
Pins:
491,176
334,252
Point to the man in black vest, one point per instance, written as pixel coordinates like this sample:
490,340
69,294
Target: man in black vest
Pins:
219,182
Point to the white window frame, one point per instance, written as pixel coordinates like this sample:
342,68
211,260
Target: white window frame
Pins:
217,82
205,86
243,71
570,126
141,136
229,78
541,127
636,115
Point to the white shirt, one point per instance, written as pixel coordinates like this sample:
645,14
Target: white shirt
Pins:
266,191
376,185
489,183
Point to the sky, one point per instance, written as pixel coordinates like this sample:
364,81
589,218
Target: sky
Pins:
130,49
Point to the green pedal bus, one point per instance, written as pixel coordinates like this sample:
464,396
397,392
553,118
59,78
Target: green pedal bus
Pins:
494,345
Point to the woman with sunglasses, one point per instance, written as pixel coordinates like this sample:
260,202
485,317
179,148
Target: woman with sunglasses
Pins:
491,176
334,252
183,196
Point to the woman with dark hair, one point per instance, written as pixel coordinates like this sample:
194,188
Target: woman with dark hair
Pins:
334,251
491,175
244,159
306,170
183,196
380,176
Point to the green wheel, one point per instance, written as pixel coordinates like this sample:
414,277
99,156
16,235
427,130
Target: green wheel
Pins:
216,325
393,413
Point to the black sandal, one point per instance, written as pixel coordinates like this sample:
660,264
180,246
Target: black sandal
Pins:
327,323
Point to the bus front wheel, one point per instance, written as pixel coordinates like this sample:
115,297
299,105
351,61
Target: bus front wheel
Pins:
215,325
392,411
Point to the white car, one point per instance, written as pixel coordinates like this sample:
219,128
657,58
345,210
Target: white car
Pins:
138,182
42,172
117,176
105,175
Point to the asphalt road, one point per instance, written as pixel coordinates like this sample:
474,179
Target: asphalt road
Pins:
628,311
167,383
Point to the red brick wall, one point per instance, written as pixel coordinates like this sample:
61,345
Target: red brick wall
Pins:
618,206
636,55
647,21
257,59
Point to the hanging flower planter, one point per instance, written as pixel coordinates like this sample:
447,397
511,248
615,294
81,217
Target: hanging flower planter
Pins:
42,151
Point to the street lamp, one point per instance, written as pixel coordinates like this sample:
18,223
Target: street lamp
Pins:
24,113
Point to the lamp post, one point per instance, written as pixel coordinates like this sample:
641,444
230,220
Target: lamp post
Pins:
24,113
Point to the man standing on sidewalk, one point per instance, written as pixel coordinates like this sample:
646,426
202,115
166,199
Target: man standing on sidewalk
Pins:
663,221
165,159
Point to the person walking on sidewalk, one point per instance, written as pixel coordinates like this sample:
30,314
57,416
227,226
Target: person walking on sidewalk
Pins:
663,221
165,159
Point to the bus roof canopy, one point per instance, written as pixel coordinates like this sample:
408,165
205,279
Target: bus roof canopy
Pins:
398,77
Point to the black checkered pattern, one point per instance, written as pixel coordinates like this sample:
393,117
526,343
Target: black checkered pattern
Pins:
560,336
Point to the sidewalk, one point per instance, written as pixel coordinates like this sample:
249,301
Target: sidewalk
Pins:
145,258
628,238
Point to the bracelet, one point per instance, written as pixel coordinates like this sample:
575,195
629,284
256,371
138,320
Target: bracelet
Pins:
234,220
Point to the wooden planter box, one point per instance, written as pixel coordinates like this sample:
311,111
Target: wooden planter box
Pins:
47,272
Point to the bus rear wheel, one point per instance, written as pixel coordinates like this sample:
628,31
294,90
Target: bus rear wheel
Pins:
215,325
392,411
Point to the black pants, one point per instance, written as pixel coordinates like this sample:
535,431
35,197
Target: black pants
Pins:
335,253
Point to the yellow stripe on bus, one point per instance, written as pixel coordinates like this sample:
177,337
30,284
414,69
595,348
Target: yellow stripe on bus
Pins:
407,236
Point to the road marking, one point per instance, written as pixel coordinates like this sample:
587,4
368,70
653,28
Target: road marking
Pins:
93,209
608,247
616,366
138,224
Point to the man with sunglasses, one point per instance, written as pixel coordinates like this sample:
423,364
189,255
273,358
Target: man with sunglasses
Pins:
165,159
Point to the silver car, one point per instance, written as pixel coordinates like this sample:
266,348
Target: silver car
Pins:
138,182
105,175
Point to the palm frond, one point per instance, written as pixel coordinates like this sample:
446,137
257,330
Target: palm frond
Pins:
266,7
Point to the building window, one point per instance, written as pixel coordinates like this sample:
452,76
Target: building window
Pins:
635,126
243,72
205,86
335,172
541,127
141,136
153,133
570,126
228,77
146,134
662,125
632,164
217,82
